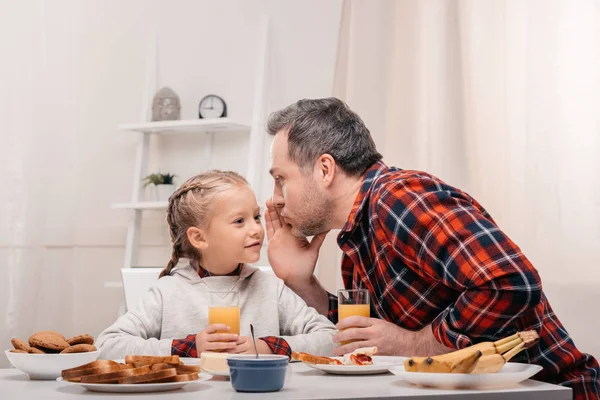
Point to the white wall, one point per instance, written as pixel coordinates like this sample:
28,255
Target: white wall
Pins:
73,70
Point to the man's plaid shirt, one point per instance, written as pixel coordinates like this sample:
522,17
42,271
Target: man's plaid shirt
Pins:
430,254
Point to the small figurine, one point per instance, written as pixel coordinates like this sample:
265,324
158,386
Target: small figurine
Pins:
166,105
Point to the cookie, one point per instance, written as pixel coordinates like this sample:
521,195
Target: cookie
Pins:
18,344
18,351
79,348
33,350
53,333
81,339
50,340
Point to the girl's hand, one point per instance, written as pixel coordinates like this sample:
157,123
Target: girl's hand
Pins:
244,346
210,340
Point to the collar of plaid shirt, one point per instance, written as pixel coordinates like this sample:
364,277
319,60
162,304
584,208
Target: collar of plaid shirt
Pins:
360,202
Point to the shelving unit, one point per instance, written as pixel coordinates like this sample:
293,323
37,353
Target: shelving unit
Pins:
147,130
197,126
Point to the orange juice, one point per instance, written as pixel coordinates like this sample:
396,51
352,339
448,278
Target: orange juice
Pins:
229,316
350,310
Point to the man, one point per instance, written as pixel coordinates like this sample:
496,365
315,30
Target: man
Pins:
440,273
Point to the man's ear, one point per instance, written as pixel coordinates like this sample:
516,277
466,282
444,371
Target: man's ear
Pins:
325,169
196,238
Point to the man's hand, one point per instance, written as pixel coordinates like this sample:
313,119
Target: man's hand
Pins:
389,338
293,259
209,340
244,346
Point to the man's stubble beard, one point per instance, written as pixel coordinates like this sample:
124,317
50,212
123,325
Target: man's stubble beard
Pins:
316,213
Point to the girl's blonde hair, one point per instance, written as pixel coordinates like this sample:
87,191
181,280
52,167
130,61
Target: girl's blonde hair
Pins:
190,206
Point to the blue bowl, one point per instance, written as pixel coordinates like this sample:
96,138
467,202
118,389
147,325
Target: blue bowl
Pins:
263,374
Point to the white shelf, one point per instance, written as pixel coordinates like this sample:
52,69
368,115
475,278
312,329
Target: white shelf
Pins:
142,205
149,131
186,126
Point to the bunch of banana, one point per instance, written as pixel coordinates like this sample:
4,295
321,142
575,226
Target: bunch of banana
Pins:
481,358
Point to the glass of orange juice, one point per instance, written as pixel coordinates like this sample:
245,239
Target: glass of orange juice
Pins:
353,302
224,308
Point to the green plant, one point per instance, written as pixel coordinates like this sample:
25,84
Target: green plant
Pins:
159,179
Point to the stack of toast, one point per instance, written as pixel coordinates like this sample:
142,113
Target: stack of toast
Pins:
135,370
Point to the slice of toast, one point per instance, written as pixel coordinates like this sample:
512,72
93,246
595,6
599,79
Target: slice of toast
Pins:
93,364
188,369
312,359
160,366
150,377
179,378
181,369
140,361
113,377
71,375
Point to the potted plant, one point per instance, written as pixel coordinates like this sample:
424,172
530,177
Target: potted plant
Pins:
163,185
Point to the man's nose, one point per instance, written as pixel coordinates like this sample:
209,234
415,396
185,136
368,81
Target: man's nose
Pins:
278,201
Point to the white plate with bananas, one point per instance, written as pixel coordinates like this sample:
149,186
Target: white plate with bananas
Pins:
511,374
481,365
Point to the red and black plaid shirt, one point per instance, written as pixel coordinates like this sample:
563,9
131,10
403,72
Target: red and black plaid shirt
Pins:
187,347
430,254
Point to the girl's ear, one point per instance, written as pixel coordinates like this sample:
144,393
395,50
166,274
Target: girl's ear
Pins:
196,238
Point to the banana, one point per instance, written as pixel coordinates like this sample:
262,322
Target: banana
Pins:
481,358
489,364
462,365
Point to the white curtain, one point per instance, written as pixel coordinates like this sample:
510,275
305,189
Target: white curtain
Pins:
502,99
33,126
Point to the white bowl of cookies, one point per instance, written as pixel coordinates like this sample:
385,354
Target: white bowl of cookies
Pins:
45,354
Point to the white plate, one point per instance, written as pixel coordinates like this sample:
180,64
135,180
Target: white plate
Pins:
381,365
216,373
134,388
509,375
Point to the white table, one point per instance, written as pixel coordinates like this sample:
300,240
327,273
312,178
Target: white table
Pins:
302,383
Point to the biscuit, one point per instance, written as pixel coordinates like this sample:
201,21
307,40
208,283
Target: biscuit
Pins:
79,348
35,350
18,344
50,340
81,339
18,351
52,333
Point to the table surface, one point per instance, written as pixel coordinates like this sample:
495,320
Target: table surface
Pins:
301,383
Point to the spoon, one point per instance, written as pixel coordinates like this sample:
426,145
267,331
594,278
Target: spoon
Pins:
253,340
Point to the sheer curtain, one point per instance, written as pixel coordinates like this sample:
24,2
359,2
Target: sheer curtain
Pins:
32,126
502,99
54,254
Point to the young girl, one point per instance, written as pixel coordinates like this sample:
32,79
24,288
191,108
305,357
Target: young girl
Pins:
216,229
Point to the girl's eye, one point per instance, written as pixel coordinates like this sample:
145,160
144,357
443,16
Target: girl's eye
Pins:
278,180
239,221
257,217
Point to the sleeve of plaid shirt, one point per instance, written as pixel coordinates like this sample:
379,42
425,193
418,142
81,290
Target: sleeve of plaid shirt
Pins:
187,347
278,345
333,308
446,236
184,347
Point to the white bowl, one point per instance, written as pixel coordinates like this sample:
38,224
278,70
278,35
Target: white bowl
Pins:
49,366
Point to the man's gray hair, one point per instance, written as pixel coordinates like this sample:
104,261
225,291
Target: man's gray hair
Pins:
325,126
